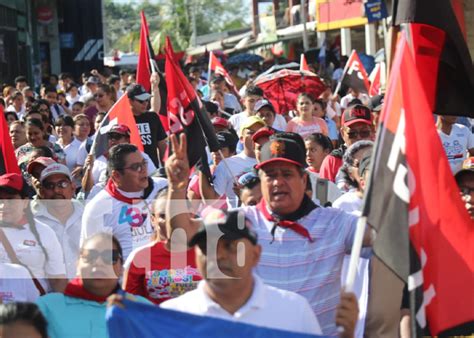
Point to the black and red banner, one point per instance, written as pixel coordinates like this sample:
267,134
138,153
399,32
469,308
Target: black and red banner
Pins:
8,162
355,76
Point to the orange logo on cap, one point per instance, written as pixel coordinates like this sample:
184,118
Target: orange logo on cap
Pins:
277,148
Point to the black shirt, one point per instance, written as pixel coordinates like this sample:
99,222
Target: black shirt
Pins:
151,131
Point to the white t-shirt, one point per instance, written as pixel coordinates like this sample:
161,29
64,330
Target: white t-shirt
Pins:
71,151
349,202
457,145
16,284
29,252
20,114
130,223
100,167
349,97
236,120
224,180
68,234
267,307
279,123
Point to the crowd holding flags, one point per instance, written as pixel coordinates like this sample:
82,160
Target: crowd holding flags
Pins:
355,76
215,67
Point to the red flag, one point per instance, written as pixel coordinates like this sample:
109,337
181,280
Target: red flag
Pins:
412,168
143,66
375,81
355,75
303,63
8,162
120,113
216,67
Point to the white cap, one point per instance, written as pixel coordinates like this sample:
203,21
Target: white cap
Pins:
55,168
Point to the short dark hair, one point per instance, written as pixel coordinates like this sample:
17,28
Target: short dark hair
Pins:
35,123
112,79
253,90
106,236
64,121
50,89
20,78
8,113
24,312
321,139
117,155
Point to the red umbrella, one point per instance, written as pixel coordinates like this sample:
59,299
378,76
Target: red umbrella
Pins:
283,87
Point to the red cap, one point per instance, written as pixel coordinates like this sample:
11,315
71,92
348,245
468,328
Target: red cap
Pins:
121,129
356,113
45,161
12,181
220,121
263,132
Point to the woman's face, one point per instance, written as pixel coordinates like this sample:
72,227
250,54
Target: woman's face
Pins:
100,264
35,136
304,106
73,91
98,121
318,111
315,154
158,218
44,110
101,97
11,207
10,119
82,128
64,131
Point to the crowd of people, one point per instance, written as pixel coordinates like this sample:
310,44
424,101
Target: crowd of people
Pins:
265,242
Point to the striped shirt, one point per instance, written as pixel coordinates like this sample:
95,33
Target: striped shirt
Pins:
311,269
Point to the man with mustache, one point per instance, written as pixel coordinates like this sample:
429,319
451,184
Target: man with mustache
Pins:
58,209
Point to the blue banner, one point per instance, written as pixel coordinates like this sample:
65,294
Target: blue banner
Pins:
375,10
144,320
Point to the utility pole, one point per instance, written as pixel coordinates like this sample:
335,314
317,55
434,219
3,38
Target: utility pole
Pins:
303,20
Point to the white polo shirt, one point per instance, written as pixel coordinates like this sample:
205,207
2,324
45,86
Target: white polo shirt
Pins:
267,307
68,234
18,286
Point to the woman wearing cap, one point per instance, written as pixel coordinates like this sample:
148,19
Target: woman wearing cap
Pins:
24,242
305,123
80,311
148,270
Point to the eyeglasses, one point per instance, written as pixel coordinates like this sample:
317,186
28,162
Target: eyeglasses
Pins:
141,101
362,133
138,167
63,184
115,136
108,256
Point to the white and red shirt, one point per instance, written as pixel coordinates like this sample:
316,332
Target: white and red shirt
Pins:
456,145
127,218
150,272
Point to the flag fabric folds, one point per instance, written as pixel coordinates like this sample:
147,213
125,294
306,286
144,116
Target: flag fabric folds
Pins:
216,67
355,75
303,63
120,113
147,321
412,195
375,80
187,114
8,162
144,55
451,92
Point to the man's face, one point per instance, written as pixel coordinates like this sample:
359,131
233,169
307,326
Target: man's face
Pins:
115,138
448,119
76,109
17,135
267,115
20,85
249,102
220,86
283,186
252,196
233,258
58,189
466,187
216,156
133,177
246,137
138,106
356,132
51,97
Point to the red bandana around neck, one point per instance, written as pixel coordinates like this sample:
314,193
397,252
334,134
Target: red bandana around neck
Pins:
76,289
296,227
112,189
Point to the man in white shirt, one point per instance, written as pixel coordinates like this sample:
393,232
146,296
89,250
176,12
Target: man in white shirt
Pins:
252,95
352,95
229,169
57,209
230,290
231,103
123,207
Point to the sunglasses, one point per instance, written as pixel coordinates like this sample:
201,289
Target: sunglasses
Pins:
63,184
141,101
115,136
361,133
138,167
108,256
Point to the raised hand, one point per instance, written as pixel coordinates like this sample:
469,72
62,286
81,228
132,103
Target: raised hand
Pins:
347,314
177,165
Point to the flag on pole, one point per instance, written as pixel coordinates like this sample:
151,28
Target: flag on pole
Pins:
424,232
355,75
375,80
120,113
144,320
8,162
216,67
144,55
187,114
441,55
303,63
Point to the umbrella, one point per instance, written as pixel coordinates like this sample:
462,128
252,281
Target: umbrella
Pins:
283,87
244,58
273,69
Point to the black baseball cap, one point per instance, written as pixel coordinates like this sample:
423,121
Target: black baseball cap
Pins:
137,92
356,113
230,225
282,149
226,139
376,103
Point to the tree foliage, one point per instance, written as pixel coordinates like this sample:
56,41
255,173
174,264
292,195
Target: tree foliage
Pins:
170,17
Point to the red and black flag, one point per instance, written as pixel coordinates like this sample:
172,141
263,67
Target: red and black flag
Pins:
424,232
187,114
355,76
120,113
144,55
8,162
440,52
216,67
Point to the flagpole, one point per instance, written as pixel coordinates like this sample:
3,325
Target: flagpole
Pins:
339,83
355,253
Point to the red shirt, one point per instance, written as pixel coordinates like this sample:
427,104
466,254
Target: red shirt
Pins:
330,167
150,274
